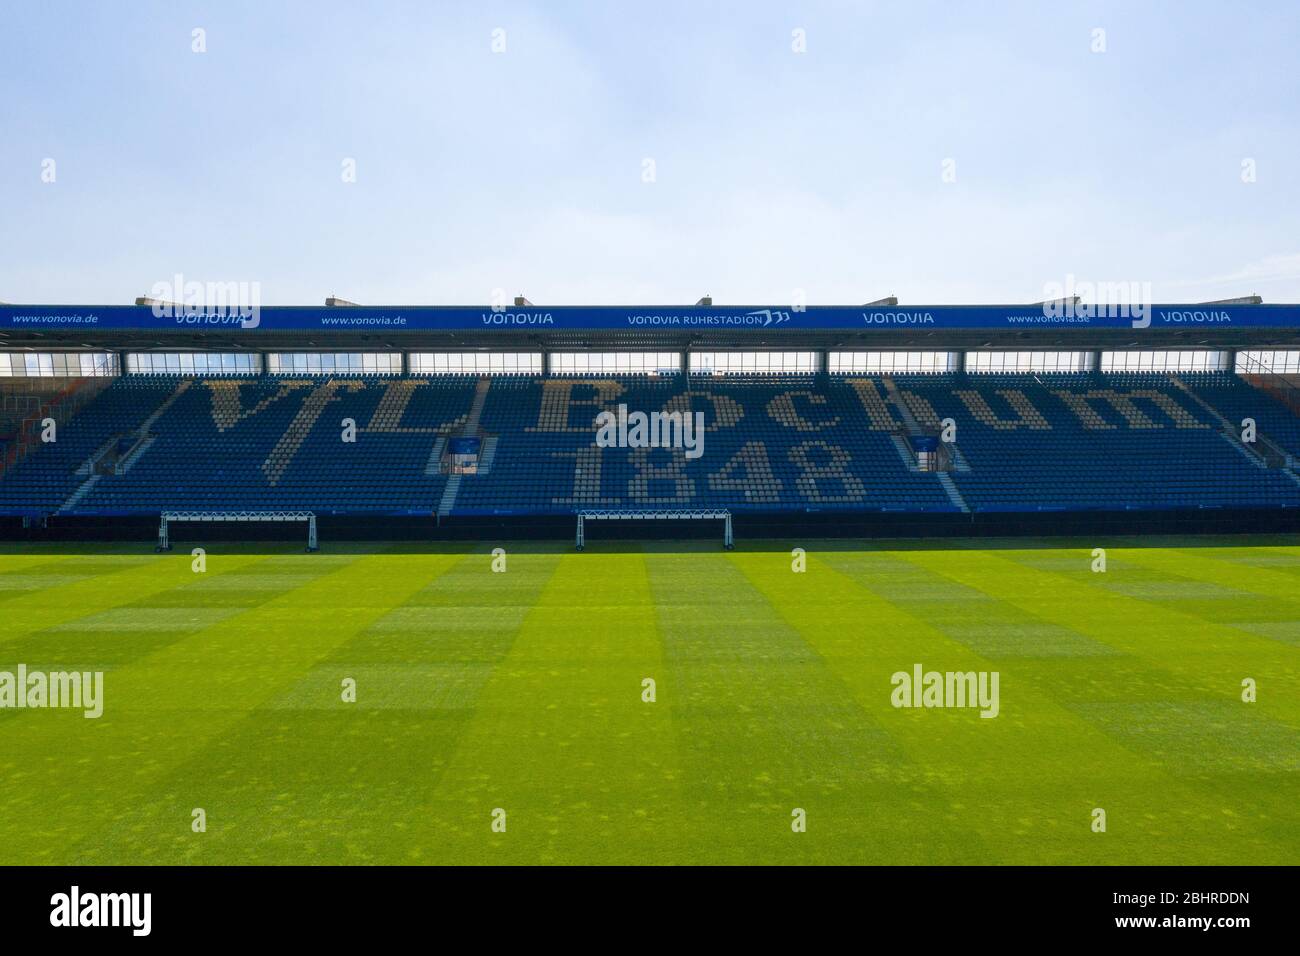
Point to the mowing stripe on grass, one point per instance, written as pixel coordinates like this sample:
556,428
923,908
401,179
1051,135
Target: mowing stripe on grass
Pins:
75,775
561,739
765,727
320,779
522,690
1167,710
127,579
1043,767
1201,652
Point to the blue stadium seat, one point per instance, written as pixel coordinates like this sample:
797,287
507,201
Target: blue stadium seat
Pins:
773,443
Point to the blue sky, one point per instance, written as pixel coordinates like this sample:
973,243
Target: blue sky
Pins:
775,171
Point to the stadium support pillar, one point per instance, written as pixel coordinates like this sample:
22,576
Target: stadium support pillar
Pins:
727,541
684,359
1096,360
1232,361
960,365
406,363
823,361
311,526
546,362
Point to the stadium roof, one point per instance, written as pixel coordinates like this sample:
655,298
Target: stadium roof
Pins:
1064,324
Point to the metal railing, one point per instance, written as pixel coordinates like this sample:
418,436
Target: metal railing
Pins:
1279,385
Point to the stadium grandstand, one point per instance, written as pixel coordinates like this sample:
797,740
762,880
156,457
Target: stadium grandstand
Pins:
450,420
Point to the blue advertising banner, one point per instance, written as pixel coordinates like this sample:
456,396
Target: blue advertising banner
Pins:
43,318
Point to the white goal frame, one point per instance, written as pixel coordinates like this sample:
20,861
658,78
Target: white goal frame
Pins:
167,517
580,541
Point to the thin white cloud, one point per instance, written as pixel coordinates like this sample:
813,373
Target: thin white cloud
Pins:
1280,268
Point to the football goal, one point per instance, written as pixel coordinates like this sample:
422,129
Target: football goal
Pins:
669,515
170,517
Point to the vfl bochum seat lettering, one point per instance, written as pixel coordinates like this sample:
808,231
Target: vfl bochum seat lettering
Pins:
773,443
1023,414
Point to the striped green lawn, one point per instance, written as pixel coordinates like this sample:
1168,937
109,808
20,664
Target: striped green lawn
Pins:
523,691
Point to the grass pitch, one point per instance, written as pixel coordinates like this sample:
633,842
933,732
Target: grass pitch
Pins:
523,691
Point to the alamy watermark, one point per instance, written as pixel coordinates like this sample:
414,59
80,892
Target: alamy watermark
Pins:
73,690
1076,300
623,429
922,688
207,303
129,910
